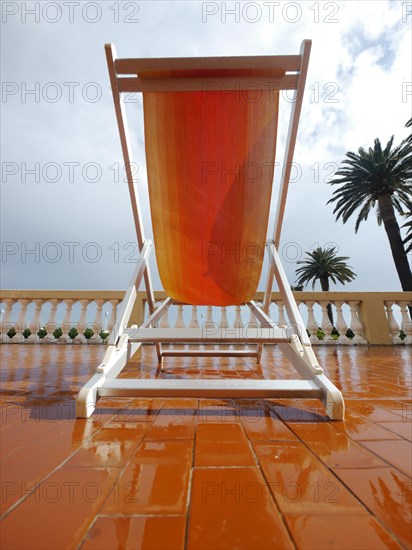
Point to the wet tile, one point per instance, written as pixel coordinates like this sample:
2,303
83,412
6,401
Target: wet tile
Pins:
373,411
360,429
20,434
403,429
111,447
222,444
68,500
265,425
398,455
334,447
223,503
387,494
155,481
134,410
300,482
339,532
217,410
298,411
136,533
176,420
27,467
11,413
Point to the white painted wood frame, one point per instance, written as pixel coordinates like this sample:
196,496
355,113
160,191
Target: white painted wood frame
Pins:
136,75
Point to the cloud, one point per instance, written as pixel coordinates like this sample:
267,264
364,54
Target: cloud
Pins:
359,63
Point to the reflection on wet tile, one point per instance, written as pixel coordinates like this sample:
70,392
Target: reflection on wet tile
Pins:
387,493
60,510
176,420
315,532
223,503
333,447
142,451
300,482
110,447
399,456
136,533
373,410
402,429
361,429
155,481
222,444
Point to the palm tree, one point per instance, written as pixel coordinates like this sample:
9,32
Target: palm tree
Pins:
382,179
407,241
323,264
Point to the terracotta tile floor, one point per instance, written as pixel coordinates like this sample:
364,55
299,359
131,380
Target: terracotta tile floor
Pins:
200,473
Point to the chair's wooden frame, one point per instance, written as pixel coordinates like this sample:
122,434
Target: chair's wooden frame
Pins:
292,340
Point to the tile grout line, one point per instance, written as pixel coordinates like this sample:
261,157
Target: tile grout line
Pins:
259,467
120,473
37,484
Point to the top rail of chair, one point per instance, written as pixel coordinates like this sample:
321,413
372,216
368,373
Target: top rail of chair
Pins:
282,63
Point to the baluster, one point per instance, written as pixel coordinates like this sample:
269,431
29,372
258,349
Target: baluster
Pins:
281,314
5,323
224,322
209,315
194,322
223,318
394,328
35,323
179,320
164,320
355,324
51,325
253,322
238,318
340,324
97,325
406,322
82,322
21,321
66,322
113,314
325,323
312,324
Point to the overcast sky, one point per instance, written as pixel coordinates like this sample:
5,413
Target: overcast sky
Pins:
62,176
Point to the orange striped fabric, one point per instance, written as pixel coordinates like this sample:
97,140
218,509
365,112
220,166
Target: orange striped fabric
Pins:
210,159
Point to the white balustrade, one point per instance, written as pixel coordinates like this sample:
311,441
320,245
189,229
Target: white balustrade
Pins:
16,313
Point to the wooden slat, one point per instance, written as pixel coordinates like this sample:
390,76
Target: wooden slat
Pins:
210,388
279,62
215,333
208,353
207,84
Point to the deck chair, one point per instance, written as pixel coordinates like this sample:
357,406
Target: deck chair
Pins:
210,127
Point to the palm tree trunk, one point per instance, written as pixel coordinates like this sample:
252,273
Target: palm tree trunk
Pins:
324,284
400,258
